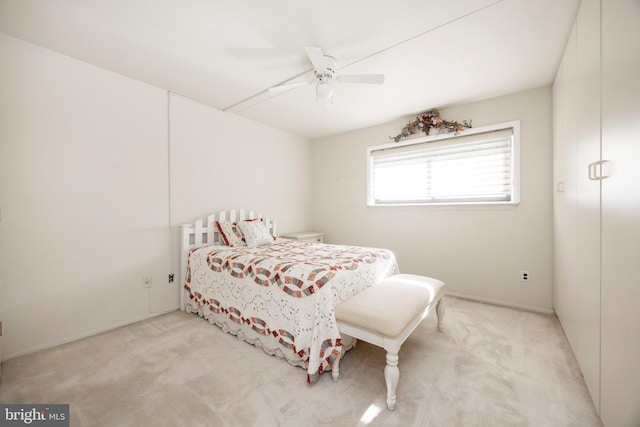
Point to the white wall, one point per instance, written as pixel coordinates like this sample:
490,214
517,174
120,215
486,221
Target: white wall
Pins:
220,160
86,205
83,190
479,252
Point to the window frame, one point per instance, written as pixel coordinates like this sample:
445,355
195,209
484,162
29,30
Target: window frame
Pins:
515,164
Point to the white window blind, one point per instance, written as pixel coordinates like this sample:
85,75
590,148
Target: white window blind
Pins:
475,168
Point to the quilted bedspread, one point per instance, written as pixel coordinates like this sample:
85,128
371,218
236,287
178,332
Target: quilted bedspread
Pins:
287,289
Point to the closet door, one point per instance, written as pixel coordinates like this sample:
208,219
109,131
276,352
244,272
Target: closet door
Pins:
587,296
620,358
565,93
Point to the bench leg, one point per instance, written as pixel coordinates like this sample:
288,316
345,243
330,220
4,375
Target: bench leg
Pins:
440,313
391,377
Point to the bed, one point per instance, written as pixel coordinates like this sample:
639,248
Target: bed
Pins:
274,293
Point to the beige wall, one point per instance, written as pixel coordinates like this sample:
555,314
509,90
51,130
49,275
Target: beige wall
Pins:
85,170
477,251
220,161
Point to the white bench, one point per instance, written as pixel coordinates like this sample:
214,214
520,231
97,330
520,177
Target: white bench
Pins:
385,315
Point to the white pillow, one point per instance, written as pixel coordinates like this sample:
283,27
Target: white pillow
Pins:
230,233
255,232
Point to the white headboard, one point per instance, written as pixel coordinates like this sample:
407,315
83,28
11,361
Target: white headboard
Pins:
199,234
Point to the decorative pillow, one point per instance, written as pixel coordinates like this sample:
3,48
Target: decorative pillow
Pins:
255,232
230,233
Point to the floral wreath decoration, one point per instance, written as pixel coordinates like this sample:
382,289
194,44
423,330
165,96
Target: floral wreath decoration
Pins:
431,120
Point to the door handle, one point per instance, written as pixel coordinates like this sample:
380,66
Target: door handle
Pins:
592,172
599,170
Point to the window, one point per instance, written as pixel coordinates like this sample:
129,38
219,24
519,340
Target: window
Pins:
479,166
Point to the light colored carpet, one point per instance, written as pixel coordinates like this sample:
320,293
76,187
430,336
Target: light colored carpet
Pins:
492,366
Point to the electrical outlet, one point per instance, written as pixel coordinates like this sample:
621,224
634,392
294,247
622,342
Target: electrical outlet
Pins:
146,282
524,276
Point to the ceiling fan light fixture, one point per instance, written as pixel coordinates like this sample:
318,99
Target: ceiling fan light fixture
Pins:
324,91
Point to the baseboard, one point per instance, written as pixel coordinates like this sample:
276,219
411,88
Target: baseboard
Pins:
502,303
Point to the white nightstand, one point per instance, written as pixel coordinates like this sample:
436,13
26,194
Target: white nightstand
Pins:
305,236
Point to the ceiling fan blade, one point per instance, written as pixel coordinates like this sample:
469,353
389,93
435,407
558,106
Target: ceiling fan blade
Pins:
376,79
317,59
287,86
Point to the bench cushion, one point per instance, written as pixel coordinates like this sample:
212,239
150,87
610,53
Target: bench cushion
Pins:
389,306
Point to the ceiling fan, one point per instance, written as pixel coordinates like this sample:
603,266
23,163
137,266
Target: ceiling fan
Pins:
324,69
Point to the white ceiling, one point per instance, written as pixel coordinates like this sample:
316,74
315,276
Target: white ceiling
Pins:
228,53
